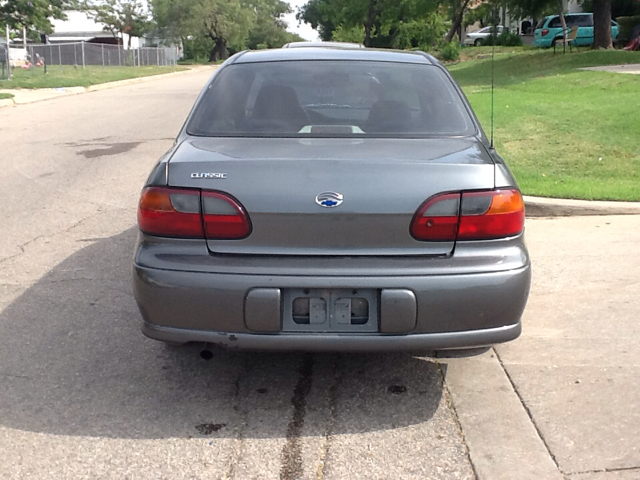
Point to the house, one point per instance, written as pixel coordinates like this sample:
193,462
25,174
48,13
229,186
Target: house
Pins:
80,27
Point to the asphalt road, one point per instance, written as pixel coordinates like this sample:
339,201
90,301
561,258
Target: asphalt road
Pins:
84,395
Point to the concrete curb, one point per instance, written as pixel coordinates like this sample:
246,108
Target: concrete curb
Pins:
558,207
25,95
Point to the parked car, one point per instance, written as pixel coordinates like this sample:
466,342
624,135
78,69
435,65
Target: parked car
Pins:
476,38
331,199
549,29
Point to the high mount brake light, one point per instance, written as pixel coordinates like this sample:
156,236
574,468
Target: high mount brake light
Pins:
470,216
177,212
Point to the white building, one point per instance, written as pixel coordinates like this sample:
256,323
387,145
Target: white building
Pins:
79,26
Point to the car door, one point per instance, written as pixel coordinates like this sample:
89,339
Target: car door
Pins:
585,29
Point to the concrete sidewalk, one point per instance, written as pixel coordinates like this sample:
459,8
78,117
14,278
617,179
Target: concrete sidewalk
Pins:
561,402
632,68
32,95
560,207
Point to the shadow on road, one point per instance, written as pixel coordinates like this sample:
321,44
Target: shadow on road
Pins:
75,363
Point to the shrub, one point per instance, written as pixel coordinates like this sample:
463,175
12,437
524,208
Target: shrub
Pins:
451,51
506,39
627,25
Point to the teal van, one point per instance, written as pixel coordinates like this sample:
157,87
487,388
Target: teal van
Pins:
550,29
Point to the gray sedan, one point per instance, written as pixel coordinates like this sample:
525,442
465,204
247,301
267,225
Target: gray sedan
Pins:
331,199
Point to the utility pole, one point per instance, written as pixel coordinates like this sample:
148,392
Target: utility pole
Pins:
8,53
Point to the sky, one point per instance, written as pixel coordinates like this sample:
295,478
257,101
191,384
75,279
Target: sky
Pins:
304,30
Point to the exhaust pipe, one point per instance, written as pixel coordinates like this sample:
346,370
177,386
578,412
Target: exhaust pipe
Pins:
206,353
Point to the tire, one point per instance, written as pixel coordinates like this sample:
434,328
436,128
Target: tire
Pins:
477,42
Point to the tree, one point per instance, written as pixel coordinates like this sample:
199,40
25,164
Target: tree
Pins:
458,9
34,15
380,21
320,15
269,29
121,17
220,23
602,24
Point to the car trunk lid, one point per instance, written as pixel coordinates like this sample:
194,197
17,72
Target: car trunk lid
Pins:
382,182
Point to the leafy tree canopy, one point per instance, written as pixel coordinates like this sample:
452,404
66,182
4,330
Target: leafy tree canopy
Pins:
382,23
35,15
121,16
222,26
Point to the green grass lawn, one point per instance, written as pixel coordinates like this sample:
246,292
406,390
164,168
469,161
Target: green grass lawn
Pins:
563,132
69,76
4,96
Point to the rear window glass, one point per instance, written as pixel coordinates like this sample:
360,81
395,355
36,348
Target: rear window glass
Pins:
555,23
541,24
331,98
584,21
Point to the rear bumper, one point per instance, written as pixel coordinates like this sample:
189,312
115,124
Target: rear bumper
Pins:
450,311
337,342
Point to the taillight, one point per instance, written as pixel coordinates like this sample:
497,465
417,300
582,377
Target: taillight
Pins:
223,217
437,219
170,212
470,216
489,215
545,31
176,212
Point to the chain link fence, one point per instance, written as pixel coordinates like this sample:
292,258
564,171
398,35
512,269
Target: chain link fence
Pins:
4,62
83,53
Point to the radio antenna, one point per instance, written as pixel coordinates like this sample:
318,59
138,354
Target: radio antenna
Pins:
493,50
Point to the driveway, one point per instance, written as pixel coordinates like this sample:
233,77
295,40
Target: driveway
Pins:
84,395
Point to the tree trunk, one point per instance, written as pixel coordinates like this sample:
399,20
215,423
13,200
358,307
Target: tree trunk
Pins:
602,24
368,24
219,51
456,23
563,22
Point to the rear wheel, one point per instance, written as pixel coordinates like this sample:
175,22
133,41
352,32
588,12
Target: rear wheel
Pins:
477,43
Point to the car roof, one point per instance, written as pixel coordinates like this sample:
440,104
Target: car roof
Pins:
329,53
323,44
569,14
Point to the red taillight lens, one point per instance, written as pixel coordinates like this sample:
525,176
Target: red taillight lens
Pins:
224,218
170,212
437,219
545,31
176,212
470,216
503,215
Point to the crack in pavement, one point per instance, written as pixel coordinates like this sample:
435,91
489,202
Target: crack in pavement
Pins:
452,408
291,466
529,414
237,453
602,470
24,246
332,402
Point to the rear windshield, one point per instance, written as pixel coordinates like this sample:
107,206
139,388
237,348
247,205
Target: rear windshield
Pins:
331,98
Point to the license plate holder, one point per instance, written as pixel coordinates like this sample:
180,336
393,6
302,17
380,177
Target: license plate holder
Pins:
340,310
